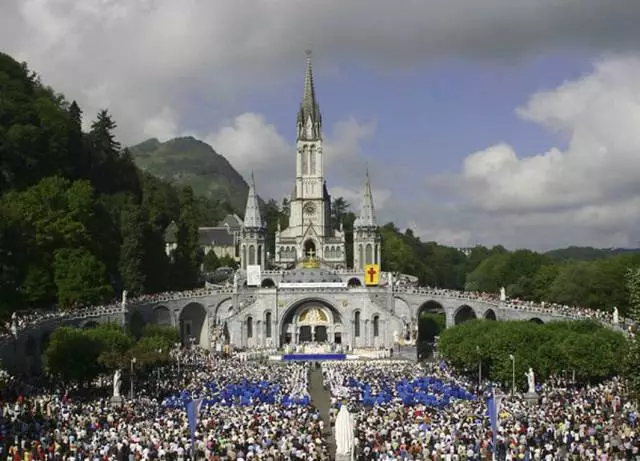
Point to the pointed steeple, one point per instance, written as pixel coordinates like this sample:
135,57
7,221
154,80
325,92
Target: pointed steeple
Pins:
367,212
309,108
252,218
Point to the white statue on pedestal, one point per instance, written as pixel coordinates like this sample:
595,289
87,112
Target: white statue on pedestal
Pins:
616,318
124,299
531,381
235,281
396,337
503,294
117,381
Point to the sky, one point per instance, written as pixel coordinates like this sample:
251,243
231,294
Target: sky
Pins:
481,122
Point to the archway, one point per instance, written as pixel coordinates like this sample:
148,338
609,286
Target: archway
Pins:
354,282
90,324
192,321
536,320
490,315
310,320
268,283
162,315
431,320
464,314
310,249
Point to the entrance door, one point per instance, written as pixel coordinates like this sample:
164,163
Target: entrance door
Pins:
305,334
310,249
320,334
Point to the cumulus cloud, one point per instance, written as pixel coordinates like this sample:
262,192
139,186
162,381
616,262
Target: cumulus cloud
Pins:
587,193
145,55
252,144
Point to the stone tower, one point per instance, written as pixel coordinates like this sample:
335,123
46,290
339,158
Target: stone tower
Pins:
366,235
310,234
253,233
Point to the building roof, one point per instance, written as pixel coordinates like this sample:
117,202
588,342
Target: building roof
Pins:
233,221
215,236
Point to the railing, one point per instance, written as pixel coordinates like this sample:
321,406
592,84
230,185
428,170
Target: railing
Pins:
36,318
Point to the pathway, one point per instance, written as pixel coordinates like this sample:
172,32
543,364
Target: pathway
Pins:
321,399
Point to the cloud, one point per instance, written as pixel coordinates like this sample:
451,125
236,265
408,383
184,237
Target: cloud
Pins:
148,55
251,143
587,193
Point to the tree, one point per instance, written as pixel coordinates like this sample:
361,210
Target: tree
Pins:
113,344
80,278
210,262
632,362
132,250
66,342
187,256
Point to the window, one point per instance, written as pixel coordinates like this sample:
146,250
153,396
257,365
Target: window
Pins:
376,326
356,326
249,327
268,322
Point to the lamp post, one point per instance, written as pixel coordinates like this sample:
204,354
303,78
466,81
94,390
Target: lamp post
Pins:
479,367
133,361
513,374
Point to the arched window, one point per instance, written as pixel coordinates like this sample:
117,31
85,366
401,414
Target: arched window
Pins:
305,163
312,160
259,255
252,255
249,327
369,254
375,254
356,325
268,322
244,257
360,256
376,326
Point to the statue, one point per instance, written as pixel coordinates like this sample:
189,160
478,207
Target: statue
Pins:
235,281
396,337
124,299
503,294
531,381
616,318
117,381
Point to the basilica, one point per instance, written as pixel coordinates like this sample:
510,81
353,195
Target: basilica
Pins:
307,292
310,235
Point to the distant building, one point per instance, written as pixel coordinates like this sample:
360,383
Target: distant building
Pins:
223,239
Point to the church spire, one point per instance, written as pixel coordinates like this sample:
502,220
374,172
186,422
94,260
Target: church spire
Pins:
367,212
252,218
309,118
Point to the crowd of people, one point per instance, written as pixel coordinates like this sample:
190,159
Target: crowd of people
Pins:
249,411
397,417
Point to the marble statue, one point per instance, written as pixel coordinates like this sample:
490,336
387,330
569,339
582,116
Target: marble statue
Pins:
616,317
124,299
235,281
117,381
396,336
531,381
503,294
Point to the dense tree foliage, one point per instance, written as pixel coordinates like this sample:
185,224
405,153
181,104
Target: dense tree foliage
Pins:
104,349
590,350
78,221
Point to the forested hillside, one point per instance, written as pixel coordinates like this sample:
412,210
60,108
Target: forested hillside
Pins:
188,161
78,221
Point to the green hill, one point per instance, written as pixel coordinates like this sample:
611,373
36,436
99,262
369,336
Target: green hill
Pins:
192,162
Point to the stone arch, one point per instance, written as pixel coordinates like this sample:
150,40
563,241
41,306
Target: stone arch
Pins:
463,314
298,306
402,309
268,283
490,315
221,309
192,324
536,320
354,282
431,320
162,315
310,248
89,324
